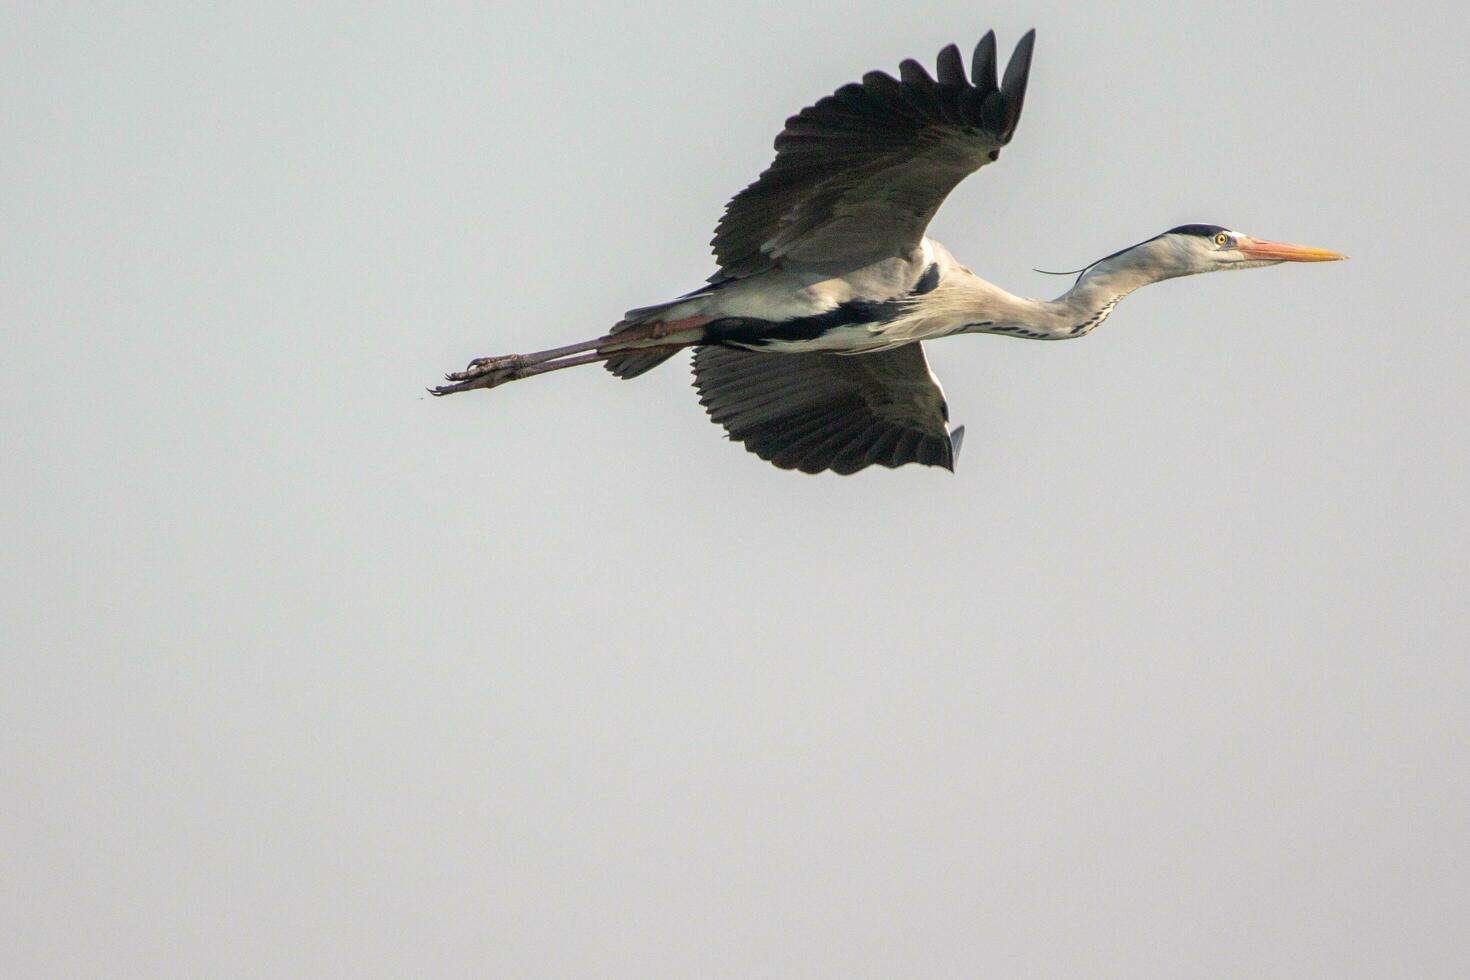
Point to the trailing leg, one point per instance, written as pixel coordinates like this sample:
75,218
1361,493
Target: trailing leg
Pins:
629,350
515,371
505,362
514,368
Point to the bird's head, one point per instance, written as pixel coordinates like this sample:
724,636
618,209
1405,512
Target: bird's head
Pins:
1191,249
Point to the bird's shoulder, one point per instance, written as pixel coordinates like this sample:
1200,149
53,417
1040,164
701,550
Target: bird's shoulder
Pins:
793,289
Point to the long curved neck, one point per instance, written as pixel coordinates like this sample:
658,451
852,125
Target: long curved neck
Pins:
1099,289
1092,297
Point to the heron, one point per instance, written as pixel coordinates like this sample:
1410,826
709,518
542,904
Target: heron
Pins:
808,339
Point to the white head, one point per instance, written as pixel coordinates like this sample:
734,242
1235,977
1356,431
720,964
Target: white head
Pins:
1192,249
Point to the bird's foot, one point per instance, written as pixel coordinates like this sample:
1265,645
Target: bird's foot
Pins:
482,366
478,376
490,372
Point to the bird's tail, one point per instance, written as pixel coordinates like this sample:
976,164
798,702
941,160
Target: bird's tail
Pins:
650,319
635,362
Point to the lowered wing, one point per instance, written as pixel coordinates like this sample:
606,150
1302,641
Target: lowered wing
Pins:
820,411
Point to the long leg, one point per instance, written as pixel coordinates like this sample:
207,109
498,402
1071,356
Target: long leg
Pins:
495,378
481,366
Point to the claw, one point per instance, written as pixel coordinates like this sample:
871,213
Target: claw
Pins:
481,366
489,372
466,381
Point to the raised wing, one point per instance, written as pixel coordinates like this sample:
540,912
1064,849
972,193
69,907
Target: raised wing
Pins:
858,176
820,411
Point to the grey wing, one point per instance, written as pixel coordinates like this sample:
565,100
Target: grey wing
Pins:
858,176
822,411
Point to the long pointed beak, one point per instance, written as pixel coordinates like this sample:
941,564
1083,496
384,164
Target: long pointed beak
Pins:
1256,248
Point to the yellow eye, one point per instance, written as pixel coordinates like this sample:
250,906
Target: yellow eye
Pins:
1221,238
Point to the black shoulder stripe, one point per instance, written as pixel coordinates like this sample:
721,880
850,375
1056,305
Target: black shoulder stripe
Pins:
928,280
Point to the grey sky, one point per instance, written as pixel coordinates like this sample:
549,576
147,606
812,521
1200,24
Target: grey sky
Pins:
306,673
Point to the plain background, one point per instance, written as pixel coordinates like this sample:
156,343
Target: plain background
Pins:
306,673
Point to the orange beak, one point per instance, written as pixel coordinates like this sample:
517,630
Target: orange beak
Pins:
1255,248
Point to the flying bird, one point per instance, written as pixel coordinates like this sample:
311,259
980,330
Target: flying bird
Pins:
808,340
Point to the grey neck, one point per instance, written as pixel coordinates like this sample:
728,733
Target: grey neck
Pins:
1102,286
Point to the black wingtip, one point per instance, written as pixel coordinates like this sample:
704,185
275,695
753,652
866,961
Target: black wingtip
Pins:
914,73
1013,86
880,82
952,67
1014,83
982,67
